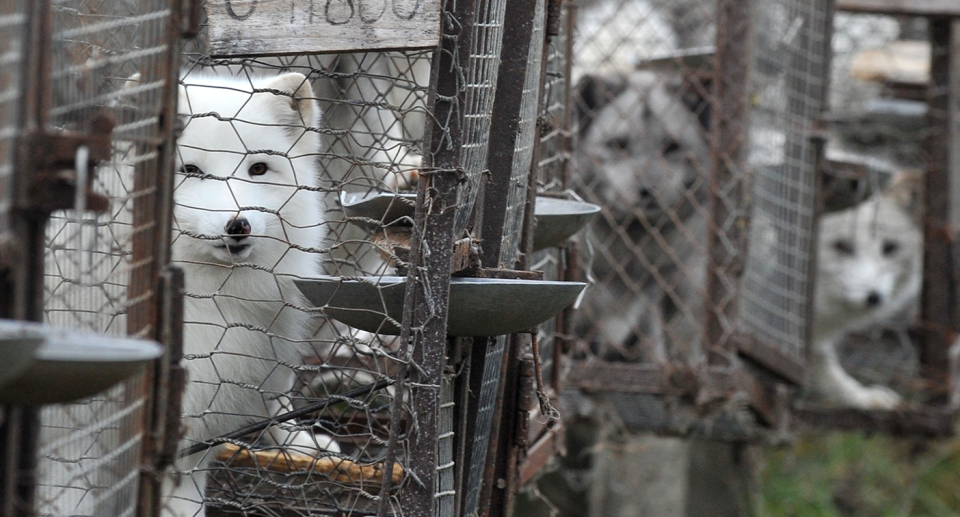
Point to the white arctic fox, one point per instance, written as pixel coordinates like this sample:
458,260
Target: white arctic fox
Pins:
869,262
247,213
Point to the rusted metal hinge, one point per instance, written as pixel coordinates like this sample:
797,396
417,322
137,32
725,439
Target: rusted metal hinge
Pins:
169,395
50,160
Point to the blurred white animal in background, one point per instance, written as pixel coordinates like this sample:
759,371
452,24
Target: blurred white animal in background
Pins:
869,275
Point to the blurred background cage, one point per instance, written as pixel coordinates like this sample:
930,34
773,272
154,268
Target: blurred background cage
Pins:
702,264
891,107
669,103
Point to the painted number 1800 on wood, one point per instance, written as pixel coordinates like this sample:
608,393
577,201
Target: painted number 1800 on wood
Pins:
273,27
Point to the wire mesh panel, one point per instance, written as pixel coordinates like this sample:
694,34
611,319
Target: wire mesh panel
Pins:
13,18
509,197
109,67
790,67
256,210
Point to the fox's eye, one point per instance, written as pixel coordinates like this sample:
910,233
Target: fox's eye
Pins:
258,169
890,247
190,168
619,143
843,247
671,147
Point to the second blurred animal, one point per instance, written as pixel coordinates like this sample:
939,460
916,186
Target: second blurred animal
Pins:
642,155
869,274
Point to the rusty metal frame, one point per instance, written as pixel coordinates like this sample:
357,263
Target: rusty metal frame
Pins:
940,279
22,291
511,78
941,8
728,143
160,316
927,422
536,444
699,386
518,30
519,447
428,281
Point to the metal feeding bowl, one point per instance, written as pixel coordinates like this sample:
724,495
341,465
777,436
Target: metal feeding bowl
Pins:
556,219
378,208
18,342
478,306
69,364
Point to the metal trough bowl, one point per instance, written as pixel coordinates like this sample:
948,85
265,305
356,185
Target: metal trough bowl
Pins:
556,219
478,306
382,208
70,365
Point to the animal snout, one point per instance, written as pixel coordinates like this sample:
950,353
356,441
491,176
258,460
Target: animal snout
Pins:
645,193
874,298
238,228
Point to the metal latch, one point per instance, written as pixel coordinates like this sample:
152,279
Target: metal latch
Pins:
49,160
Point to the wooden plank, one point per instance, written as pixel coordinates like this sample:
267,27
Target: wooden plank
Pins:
274,27
790,368
904,7
925,421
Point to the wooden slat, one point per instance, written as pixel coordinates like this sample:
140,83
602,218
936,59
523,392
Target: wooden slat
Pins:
286,461
912,421
264,27
905,7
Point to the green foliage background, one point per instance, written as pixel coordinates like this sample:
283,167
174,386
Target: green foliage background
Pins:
849,474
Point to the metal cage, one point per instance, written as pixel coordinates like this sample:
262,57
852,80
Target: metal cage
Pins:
86,201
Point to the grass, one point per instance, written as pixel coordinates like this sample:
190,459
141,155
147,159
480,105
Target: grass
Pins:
850,474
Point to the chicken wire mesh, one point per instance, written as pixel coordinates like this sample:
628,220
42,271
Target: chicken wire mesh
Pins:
109,61
305,143
256,208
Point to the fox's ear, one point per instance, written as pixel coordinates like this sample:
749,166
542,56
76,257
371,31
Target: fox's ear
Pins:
296,96
906,188
593,92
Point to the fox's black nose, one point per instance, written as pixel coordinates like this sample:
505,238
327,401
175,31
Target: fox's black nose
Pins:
645,193
238,228
874,299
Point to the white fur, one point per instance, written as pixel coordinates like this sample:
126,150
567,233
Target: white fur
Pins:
243,327
869,276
